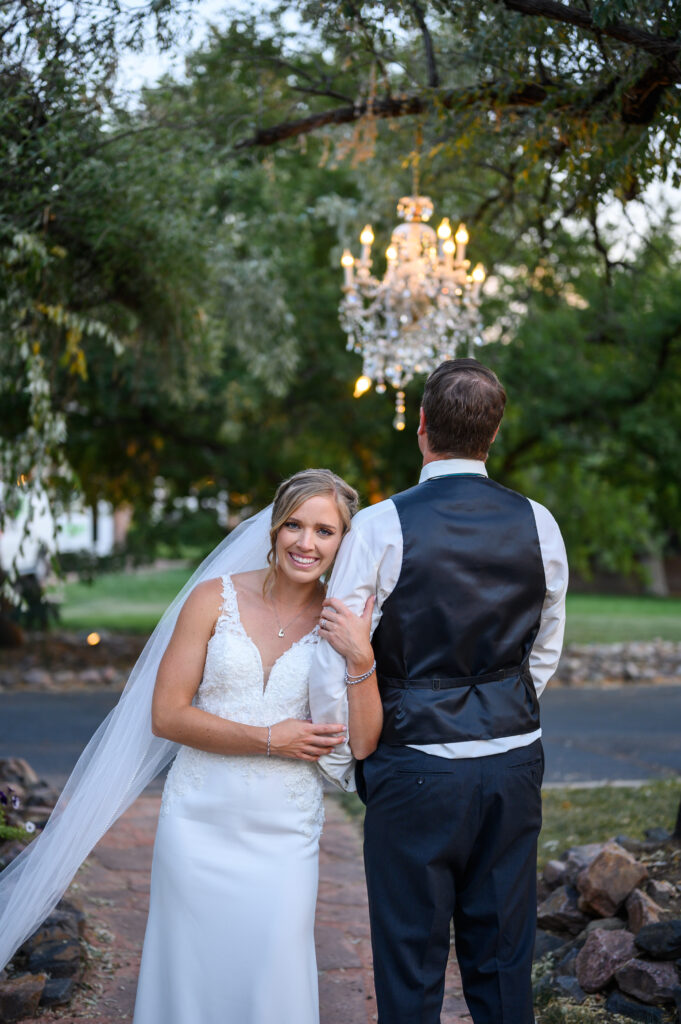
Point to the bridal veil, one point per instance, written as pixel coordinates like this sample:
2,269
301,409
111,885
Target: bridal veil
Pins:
121,759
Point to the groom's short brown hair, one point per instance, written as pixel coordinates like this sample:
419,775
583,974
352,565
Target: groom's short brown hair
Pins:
463,403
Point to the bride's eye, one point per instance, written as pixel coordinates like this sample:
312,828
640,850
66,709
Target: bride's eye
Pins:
291,525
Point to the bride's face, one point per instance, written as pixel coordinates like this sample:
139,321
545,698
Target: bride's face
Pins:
309,539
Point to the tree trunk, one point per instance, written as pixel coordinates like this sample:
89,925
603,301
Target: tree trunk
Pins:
677,828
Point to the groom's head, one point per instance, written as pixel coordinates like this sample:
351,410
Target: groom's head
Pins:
463,403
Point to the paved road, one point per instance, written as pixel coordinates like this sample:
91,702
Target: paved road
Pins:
589,735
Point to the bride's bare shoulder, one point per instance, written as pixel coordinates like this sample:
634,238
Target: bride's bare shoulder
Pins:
250,583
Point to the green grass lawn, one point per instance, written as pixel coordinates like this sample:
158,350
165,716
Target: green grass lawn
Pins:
574,816
134,601
596,618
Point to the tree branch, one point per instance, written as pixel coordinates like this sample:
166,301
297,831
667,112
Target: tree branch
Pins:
660,47
528,95
433,73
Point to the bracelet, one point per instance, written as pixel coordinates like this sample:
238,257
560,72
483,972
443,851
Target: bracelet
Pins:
269,739
352,680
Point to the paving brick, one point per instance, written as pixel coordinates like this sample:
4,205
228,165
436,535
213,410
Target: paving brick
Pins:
113,889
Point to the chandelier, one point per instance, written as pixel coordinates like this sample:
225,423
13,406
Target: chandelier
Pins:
425,308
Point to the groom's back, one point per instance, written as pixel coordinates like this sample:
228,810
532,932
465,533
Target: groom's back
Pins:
466,606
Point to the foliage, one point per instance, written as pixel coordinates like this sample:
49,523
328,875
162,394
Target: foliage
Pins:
169,282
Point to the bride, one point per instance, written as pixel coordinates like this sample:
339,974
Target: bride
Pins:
230,931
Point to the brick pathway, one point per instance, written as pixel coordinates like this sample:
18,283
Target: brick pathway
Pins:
113,890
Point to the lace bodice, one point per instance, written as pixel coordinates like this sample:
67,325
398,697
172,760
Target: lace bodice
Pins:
233,687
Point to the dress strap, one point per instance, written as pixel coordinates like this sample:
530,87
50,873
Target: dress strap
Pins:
229,609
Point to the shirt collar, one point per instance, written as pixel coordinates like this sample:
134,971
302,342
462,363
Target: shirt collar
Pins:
446,467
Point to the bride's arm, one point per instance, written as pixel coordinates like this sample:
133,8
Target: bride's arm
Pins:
350,635
175,718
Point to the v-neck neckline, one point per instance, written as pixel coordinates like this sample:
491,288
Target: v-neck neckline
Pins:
249,638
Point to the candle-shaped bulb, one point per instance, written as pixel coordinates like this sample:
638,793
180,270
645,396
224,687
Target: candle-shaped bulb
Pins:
362,384
348,263
478,274
367,236
391,253
448,247
461,236
444,230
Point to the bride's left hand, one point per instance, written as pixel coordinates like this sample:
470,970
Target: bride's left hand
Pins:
349,634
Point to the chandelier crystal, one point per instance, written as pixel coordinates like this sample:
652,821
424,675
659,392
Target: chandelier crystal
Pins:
425,308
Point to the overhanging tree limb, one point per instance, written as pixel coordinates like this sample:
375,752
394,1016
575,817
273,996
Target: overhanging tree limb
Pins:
660,47
527,95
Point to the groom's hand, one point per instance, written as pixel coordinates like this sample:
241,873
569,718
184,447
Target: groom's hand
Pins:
306,741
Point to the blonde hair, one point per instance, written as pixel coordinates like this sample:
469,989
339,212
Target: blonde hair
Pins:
309,483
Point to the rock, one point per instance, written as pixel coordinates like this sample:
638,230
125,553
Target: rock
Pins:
560,911
38,679
60,926
641,910
603,953
61,959
662,941
90,677
567,985
567,965
658,835
57,991
555,873
605,924
71,905
16,769
648,981
619,1004
10,850
659,890
545,943
607,881
20,997
579,857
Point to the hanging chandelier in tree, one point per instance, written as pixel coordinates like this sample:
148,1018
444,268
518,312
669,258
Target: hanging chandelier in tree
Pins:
425,309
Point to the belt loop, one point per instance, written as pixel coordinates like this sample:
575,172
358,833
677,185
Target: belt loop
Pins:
436,684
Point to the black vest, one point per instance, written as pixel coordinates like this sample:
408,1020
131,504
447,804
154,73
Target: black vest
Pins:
455,635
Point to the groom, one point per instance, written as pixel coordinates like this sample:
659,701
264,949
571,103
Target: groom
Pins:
470,581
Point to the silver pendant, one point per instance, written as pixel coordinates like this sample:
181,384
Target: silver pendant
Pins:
280,633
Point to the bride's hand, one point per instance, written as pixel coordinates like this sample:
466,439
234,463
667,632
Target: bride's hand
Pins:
306,741
349,634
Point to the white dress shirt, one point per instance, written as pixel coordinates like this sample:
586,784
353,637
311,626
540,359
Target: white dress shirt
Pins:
369,562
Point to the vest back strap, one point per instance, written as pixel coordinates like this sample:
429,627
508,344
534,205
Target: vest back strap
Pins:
451,684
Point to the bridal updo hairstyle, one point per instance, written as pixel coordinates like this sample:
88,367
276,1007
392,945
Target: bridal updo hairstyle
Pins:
463,403
309,483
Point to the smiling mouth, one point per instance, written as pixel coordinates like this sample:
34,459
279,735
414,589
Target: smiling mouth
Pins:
303,562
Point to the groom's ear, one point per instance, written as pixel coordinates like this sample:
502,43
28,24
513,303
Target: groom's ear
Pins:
421,432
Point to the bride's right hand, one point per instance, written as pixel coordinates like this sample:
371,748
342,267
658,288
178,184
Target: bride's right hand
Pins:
304,740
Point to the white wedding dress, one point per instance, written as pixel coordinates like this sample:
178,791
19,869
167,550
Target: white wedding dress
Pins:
229,938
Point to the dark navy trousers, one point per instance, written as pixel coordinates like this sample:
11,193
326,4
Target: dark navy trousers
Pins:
452,840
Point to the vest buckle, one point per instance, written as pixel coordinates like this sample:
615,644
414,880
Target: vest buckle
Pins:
436,684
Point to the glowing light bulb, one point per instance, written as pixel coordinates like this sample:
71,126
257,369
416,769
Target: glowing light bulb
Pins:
391,253
93,639
362,384
445,229
461,235
367,236
448,247
347,259
478,274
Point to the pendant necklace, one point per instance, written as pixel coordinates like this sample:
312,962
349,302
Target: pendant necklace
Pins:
282,629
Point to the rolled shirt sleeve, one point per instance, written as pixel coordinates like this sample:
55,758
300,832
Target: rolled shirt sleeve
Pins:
368,562
548,644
